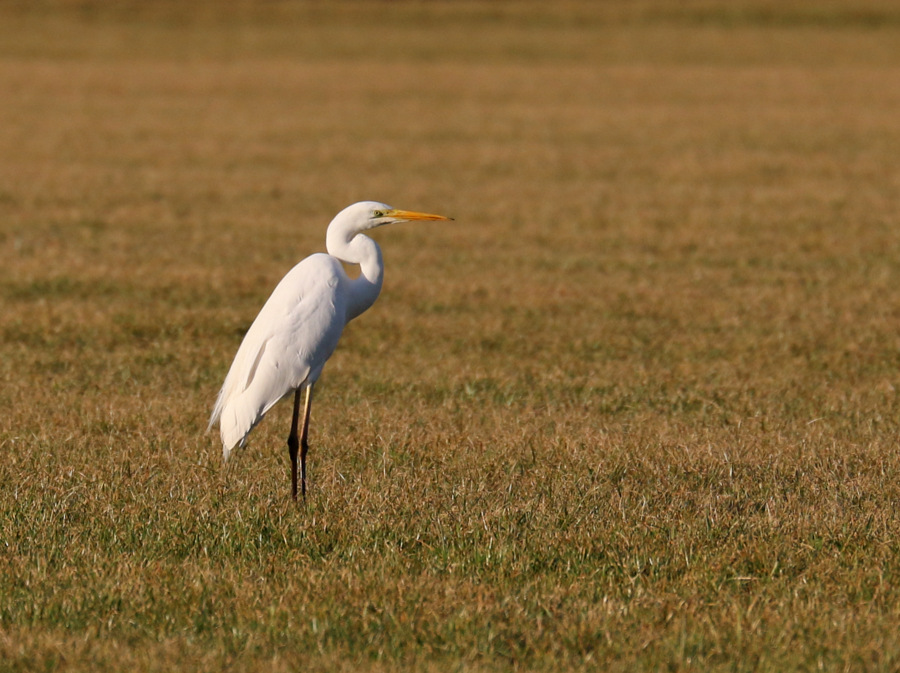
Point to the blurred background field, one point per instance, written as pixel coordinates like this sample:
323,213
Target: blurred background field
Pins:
635,409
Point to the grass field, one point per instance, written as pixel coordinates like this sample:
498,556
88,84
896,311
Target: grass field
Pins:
635,409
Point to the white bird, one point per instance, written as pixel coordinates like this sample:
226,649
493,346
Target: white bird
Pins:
298,329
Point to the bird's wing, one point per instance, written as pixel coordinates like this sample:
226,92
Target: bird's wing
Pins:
287,345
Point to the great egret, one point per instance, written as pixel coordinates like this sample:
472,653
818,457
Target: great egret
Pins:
299,326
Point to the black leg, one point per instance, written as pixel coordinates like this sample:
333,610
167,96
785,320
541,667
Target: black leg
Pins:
293,445
304,433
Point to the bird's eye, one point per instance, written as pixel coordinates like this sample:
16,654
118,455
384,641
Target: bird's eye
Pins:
378,213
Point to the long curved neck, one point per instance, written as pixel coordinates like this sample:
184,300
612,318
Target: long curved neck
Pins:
362,250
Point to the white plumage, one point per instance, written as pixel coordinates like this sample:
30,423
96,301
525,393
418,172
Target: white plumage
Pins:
287,345
299,327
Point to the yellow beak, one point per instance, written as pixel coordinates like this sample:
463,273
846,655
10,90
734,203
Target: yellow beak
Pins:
412,215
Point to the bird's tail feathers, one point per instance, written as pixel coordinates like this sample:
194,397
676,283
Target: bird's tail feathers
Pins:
234,426
236,420
217,410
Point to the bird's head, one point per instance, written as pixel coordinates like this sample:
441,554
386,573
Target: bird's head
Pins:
371,214
366,215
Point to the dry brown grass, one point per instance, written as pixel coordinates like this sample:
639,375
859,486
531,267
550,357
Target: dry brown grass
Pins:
635,409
